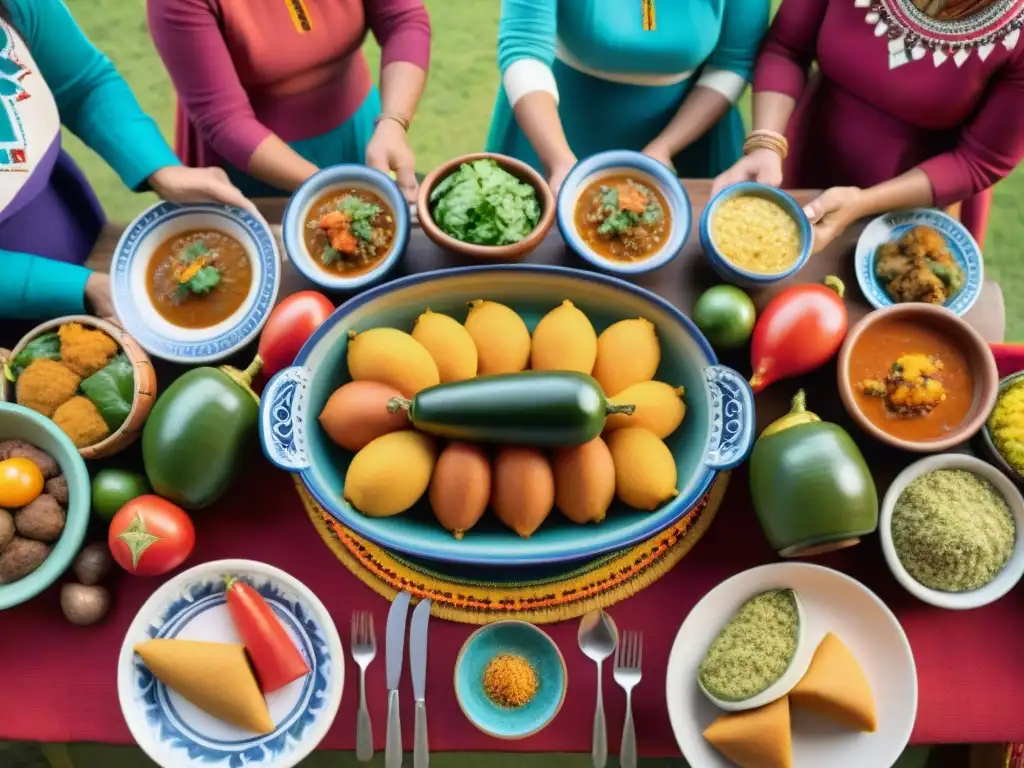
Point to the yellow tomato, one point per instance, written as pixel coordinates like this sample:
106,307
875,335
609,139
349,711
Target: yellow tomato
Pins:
20,482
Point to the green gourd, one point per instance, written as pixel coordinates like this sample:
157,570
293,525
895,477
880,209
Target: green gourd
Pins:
811,488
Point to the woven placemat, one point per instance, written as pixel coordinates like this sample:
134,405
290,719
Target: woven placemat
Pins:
582,587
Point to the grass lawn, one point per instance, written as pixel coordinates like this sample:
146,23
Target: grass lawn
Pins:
453,118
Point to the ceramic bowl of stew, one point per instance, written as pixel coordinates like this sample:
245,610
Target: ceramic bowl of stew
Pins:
754,235
346,227
486,206
917,377
144,386
624,212
194,284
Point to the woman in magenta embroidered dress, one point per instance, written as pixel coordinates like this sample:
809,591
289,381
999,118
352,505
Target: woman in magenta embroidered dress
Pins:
918,103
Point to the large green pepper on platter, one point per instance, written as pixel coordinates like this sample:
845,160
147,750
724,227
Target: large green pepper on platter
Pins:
811,488
200,433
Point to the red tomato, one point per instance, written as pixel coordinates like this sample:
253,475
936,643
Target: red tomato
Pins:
150,536
289,326
798,331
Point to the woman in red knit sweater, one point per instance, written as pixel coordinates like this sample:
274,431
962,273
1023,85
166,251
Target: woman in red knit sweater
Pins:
915,103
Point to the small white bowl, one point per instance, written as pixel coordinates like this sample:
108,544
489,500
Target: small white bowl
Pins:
794,672
193,346
1004,581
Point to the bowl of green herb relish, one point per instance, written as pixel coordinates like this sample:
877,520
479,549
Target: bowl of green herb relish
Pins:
486,206
950,528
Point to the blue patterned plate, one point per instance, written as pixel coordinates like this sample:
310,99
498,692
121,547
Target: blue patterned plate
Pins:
191,606
192,346
891,226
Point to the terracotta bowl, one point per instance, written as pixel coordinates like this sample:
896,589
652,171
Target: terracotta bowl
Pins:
512,252
975,349
145,382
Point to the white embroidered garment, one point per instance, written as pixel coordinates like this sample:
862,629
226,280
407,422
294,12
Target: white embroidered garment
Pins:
29,121
914,35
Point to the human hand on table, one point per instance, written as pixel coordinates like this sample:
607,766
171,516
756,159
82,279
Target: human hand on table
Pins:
389,151
179,184
762,165
97,297
832,212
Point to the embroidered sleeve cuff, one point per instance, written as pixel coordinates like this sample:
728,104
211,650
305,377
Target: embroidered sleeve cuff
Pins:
727,83
525,76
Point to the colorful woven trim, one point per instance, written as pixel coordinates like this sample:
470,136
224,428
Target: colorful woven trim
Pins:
599,584
1015,756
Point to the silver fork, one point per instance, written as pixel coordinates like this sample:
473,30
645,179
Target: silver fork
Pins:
628,657
364,649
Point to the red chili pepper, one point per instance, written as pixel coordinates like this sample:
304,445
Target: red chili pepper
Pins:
274,657
799,331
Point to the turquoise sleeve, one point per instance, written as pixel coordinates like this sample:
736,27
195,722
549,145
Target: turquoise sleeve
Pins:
94,101
527,31
35,288
744,23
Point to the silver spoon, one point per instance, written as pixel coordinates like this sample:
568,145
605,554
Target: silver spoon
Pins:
598,638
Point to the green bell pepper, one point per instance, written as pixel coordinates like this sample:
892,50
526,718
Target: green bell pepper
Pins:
200,434
812,489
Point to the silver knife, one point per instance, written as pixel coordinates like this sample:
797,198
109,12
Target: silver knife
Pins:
418,662
395,651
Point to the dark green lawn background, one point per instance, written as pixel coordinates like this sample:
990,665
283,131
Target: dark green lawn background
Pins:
452,120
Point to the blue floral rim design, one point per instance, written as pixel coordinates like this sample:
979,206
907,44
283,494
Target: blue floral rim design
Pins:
126,303
170,728
889,226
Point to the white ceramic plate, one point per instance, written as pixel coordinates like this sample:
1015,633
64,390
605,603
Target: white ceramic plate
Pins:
832,602
176,734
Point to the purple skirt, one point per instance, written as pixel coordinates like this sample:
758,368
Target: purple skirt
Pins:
56,215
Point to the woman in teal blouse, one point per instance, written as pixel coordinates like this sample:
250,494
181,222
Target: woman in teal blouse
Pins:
661,76
49,217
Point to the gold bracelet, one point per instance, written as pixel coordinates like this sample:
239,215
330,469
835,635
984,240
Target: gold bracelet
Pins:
765,139
402,121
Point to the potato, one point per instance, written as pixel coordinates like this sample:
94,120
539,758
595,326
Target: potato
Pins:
6,528
58,488
19,449
84,605
93,564
41,519
20,558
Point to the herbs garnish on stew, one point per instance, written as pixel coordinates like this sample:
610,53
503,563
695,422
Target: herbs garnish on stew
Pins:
194,272
349,231
483,204
622,219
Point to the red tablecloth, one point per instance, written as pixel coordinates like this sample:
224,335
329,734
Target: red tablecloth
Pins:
57,682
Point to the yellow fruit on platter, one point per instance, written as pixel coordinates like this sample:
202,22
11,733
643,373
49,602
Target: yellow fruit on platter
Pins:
584,481
659,408
449,343
645,470
501,337
460,487
564,340
524,489
628,352
391,473
393,357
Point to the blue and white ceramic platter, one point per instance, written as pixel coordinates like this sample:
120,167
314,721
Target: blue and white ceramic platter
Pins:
191,606
891,226
193,346
717,434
